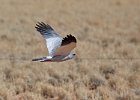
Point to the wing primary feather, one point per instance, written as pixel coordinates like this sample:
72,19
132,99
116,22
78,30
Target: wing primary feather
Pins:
68,39
42,27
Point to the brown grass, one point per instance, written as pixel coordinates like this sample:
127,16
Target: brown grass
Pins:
104,29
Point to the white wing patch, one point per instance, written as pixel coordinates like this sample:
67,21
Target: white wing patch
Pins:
53,44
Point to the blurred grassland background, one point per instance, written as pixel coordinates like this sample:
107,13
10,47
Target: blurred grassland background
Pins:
103,28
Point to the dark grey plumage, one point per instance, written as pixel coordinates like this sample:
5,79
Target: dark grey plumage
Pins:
45,30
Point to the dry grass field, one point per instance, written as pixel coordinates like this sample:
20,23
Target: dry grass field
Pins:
108,34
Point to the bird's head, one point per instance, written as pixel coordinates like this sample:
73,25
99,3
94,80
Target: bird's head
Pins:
72,55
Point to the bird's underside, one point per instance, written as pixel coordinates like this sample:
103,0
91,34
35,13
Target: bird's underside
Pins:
55,59
59,48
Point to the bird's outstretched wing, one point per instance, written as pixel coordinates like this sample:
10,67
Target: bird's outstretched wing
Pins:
53,40
67,45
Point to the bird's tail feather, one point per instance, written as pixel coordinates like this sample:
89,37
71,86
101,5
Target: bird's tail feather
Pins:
39,59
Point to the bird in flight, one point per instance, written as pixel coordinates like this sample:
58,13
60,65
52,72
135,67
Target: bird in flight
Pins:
59,49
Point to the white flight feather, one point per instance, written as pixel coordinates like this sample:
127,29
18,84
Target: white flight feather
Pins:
52,44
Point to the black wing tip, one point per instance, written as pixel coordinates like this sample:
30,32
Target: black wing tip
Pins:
72,38
68,39
41,27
